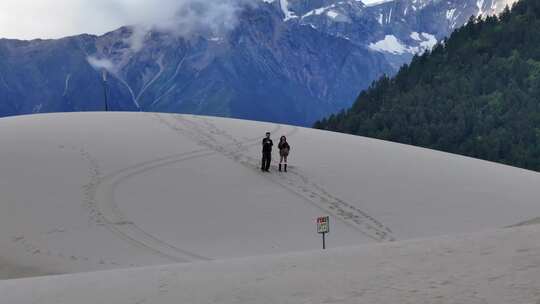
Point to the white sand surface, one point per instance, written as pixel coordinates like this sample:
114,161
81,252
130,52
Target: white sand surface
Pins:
496,267
97,191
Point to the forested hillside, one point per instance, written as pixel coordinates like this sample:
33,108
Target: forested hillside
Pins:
475,94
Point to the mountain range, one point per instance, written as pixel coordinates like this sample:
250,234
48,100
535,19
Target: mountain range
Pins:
290,61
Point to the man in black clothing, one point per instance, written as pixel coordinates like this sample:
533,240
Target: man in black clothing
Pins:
266,152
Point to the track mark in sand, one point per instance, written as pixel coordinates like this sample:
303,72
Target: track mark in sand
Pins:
106,214
534,221
32,249
295,182
99,200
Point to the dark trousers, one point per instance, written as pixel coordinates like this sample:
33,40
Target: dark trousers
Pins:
266,159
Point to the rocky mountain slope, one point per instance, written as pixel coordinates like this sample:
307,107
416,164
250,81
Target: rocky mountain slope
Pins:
285,61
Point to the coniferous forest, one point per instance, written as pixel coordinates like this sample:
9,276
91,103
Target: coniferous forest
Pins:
477,94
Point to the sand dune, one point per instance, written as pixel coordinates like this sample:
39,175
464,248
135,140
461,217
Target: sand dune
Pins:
84,192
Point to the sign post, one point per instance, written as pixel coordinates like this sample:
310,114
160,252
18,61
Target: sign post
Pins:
323,227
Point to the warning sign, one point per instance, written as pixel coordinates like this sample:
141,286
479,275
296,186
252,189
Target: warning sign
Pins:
323,224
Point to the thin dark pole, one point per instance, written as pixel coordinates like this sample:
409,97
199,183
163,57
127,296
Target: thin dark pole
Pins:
105,91
324,241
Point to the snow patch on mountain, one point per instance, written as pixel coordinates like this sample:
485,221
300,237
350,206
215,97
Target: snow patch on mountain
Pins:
480,5
415,36
428,42
450,13
285,9
391,44
486,9
318,11
420,4
332,14
376,3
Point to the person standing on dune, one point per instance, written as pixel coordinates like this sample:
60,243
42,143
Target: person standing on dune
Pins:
284,149
267,145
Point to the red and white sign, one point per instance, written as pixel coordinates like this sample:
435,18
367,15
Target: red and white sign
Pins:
323,224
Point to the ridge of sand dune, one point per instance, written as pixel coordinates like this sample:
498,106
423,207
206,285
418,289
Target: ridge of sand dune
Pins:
499,266
9,270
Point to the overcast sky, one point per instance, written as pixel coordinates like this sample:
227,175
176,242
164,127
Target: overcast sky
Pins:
28,19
